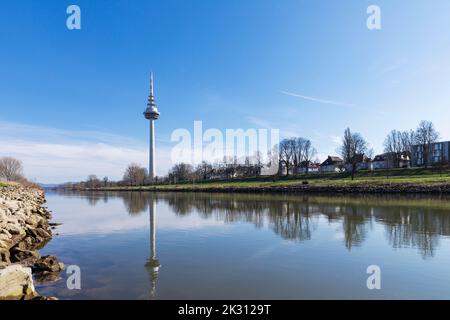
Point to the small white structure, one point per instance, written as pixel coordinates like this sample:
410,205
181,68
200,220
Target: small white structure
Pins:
390,160
362,163
332,164
379,162
309,167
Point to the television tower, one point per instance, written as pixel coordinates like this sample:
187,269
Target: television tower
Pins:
151,114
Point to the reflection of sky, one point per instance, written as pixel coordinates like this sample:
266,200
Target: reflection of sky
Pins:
79,217
207,258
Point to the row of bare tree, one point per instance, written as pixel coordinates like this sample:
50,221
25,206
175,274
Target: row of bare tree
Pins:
226,169
294,153
297,152
403,141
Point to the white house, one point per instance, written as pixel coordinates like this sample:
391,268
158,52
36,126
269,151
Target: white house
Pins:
390,160
332,164
309,167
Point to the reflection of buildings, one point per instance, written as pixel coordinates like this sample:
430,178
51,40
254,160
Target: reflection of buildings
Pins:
412,221
152,264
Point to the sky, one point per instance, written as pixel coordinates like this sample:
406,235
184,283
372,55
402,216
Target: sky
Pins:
71,101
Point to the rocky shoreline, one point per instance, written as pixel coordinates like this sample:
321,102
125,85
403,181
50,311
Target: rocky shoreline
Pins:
24,229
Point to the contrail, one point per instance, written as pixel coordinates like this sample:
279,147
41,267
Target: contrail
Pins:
336,103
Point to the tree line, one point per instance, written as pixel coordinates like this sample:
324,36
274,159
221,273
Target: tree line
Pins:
295,153
11,170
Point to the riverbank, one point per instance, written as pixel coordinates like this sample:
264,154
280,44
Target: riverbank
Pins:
24,229
399,181
404,188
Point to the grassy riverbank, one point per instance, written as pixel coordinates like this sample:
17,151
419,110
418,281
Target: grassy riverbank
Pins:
417,180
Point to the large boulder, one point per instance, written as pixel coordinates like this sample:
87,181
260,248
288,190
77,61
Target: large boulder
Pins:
48,263
16,282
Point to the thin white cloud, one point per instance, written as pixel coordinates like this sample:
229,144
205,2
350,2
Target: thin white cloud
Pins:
286,129
337,140
52,155
259,122
318,100
389,69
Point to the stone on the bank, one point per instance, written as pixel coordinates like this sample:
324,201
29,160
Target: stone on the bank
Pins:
48,263
24,229
16,282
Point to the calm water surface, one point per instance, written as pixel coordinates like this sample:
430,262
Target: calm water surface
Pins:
222,246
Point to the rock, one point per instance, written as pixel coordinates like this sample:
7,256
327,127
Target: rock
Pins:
48,263
24,229
13,229
44,298
5,233
26,257
16,282
4,244
4,256
54,224
43,233
46,277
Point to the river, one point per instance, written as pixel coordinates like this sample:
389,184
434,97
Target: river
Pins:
144,245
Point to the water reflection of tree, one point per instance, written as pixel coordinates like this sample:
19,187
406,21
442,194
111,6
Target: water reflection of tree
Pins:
413,221
135,202
409,222
416,228
291,220
93,198
354,222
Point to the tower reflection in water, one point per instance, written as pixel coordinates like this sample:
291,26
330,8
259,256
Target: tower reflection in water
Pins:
152,264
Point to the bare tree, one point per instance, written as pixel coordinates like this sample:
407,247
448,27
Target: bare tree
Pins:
203,170
181,172
11,169
309,152
392,142
258,159
353,149
92,182
399,142
298,146
287,153
135,175
426,135
407,141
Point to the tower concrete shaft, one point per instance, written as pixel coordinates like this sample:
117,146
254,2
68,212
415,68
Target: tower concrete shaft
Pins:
151,167
151,114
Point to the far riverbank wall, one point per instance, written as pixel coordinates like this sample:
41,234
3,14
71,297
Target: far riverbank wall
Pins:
393,188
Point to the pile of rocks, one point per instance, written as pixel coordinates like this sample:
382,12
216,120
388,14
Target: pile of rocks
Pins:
24,229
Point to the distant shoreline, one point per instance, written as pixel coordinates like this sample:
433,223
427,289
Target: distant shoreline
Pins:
297,189
396,181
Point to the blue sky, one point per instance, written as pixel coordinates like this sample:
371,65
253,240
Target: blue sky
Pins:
71,102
